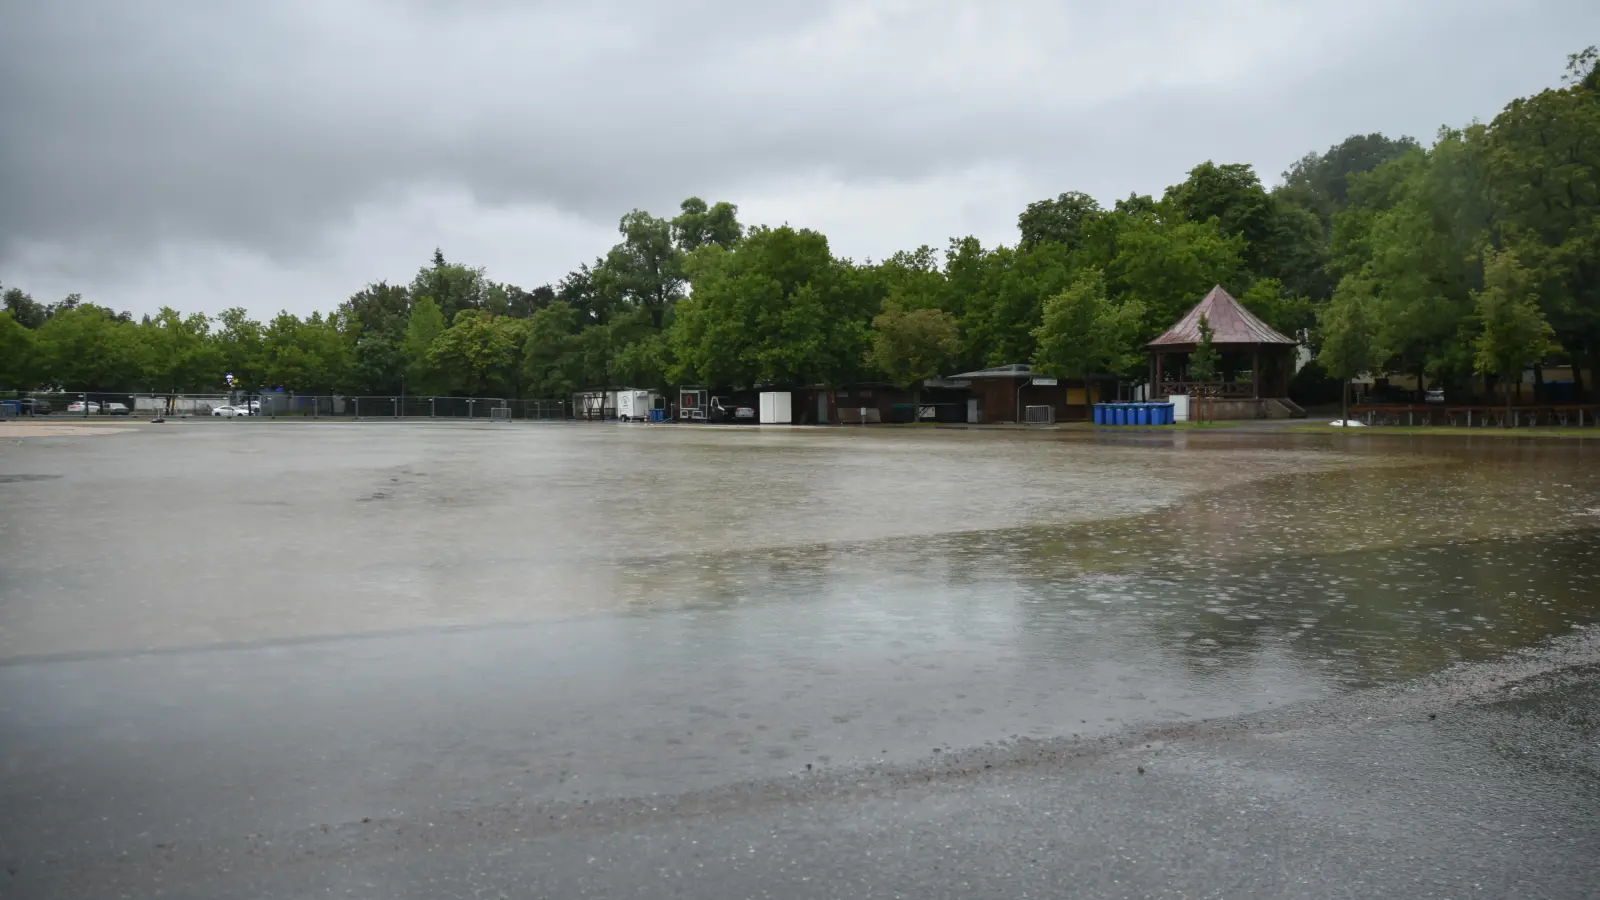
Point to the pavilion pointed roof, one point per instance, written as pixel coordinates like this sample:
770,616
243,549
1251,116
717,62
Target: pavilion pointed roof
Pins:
1230,323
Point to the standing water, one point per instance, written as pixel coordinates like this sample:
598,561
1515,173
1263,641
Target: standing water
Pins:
286,622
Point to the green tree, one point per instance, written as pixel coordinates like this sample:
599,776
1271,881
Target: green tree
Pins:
1233,196
1058,221
550,354
698,225
424,327
239,344
481,353
912,345
997,327
453,287
1165,266
776,308
647,267
1289,315
1514,331
179,353
90,348
1412,236
1320,182
1203,361
1085,334
25,311
1542,165
1349,337
374,321
18,356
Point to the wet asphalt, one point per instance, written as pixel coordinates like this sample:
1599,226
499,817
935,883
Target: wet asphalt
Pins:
1481,782
471,662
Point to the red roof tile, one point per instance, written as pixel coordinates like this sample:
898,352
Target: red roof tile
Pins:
1230,323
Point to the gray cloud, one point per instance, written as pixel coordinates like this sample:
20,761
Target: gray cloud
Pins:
317,140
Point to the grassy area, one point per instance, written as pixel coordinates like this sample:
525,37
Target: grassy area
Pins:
1451,431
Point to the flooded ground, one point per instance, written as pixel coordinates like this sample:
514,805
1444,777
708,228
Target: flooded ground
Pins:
213,629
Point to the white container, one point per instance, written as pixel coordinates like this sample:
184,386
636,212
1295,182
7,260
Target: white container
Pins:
777,408
634,405
1180,407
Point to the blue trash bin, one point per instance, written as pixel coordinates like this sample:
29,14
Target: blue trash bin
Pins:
1142,410
1119,413
1167,414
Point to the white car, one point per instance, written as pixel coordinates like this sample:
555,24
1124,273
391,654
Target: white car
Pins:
230,412
77,406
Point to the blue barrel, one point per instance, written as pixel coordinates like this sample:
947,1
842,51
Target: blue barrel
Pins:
1167,414
1120,410
1099,413
1146,414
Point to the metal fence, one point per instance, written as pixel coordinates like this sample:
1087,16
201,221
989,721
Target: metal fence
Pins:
1561,416
275,404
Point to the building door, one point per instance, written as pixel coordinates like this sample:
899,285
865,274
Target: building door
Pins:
822,407
972,410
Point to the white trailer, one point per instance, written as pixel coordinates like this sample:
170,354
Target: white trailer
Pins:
635,405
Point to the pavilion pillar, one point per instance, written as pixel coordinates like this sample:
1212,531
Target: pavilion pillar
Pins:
1161,376
1255,371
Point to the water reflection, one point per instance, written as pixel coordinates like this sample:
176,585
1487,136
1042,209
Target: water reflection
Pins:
1351,577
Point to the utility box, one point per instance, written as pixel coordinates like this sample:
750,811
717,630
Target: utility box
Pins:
1180,407
776,408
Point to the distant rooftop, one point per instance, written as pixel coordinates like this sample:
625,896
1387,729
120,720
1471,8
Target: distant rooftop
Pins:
1015,370
1230,323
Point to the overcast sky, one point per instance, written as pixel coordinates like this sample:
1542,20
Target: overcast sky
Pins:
280,155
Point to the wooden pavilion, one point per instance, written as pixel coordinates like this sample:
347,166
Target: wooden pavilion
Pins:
1254,361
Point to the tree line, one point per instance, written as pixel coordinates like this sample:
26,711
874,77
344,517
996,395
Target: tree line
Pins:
1476,255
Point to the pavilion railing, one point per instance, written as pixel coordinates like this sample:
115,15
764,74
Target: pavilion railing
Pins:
1221,390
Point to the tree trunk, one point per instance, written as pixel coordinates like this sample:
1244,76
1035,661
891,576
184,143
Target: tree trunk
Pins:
1579,394
916,403
1508,399
1088,400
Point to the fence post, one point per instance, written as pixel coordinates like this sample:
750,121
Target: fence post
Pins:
358,407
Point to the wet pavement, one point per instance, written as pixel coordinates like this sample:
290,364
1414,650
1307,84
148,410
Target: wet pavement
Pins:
258,659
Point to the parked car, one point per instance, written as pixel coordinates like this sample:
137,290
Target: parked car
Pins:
28,406
77,406
724,410
117,409
230,412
